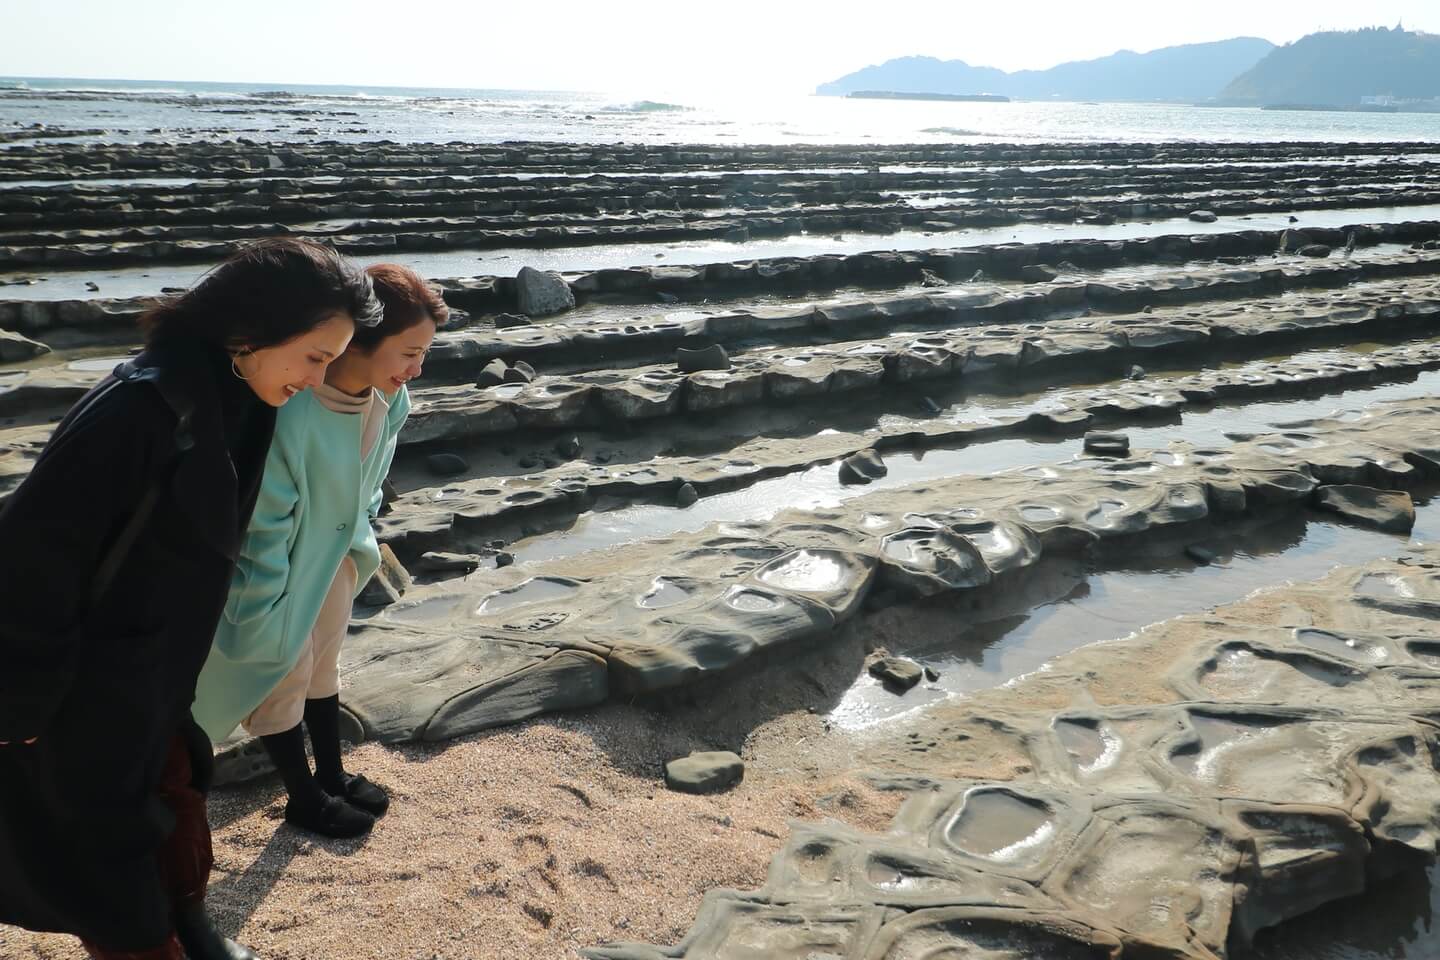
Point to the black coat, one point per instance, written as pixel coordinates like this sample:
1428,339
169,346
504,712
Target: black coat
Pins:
106,689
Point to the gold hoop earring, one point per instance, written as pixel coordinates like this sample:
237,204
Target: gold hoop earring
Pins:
235,364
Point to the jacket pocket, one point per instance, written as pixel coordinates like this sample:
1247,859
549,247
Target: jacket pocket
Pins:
262,638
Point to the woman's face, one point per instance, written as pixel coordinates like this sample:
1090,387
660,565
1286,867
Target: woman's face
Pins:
395,360
278,373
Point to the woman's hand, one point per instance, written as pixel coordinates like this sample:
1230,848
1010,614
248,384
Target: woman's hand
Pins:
23,743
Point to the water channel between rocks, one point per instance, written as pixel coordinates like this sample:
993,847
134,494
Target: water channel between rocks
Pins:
148,280
1069,606
1358,161
820,486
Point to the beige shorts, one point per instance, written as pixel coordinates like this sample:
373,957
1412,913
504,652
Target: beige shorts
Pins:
316,674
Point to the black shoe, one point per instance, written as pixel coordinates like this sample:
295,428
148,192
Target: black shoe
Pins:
332,818
197,934
359,792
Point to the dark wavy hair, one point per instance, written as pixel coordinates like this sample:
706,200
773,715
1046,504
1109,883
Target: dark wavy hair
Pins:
266,294
407,299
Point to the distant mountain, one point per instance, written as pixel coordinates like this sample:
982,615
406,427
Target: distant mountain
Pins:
919,75
1341,67
1191,72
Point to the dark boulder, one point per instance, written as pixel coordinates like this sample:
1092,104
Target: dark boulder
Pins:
712,357
446,464
862,467
542,292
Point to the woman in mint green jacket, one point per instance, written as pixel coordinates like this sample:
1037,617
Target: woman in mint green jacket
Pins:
309,549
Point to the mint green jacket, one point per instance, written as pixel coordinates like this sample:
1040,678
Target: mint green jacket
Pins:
317,502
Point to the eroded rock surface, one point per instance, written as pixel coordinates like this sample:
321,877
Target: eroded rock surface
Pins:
1280,767
1391,510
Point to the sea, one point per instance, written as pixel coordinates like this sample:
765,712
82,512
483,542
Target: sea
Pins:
134,111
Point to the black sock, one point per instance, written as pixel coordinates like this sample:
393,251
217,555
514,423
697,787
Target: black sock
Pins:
322,720
287,750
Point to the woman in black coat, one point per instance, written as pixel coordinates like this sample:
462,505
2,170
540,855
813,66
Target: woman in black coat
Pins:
115,559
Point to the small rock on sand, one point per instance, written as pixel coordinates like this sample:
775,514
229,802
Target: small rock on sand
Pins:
897,673
706,772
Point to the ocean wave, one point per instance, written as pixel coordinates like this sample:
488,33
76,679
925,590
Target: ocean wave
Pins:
953,131
646,106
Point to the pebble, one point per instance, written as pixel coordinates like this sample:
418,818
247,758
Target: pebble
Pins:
704,772
438,561
1107,444
1200,555
862,467
898,673
492,374
712,357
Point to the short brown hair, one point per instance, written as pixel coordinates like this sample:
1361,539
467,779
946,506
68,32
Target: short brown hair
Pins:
408,301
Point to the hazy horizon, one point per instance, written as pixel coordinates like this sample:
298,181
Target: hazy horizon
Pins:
641,47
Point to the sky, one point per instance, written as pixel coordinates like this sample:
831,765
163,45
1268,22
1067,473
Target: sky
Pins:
647,48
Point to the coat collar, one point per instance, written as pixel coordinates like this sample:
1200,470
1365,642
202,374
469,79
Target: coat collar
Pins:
204,481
